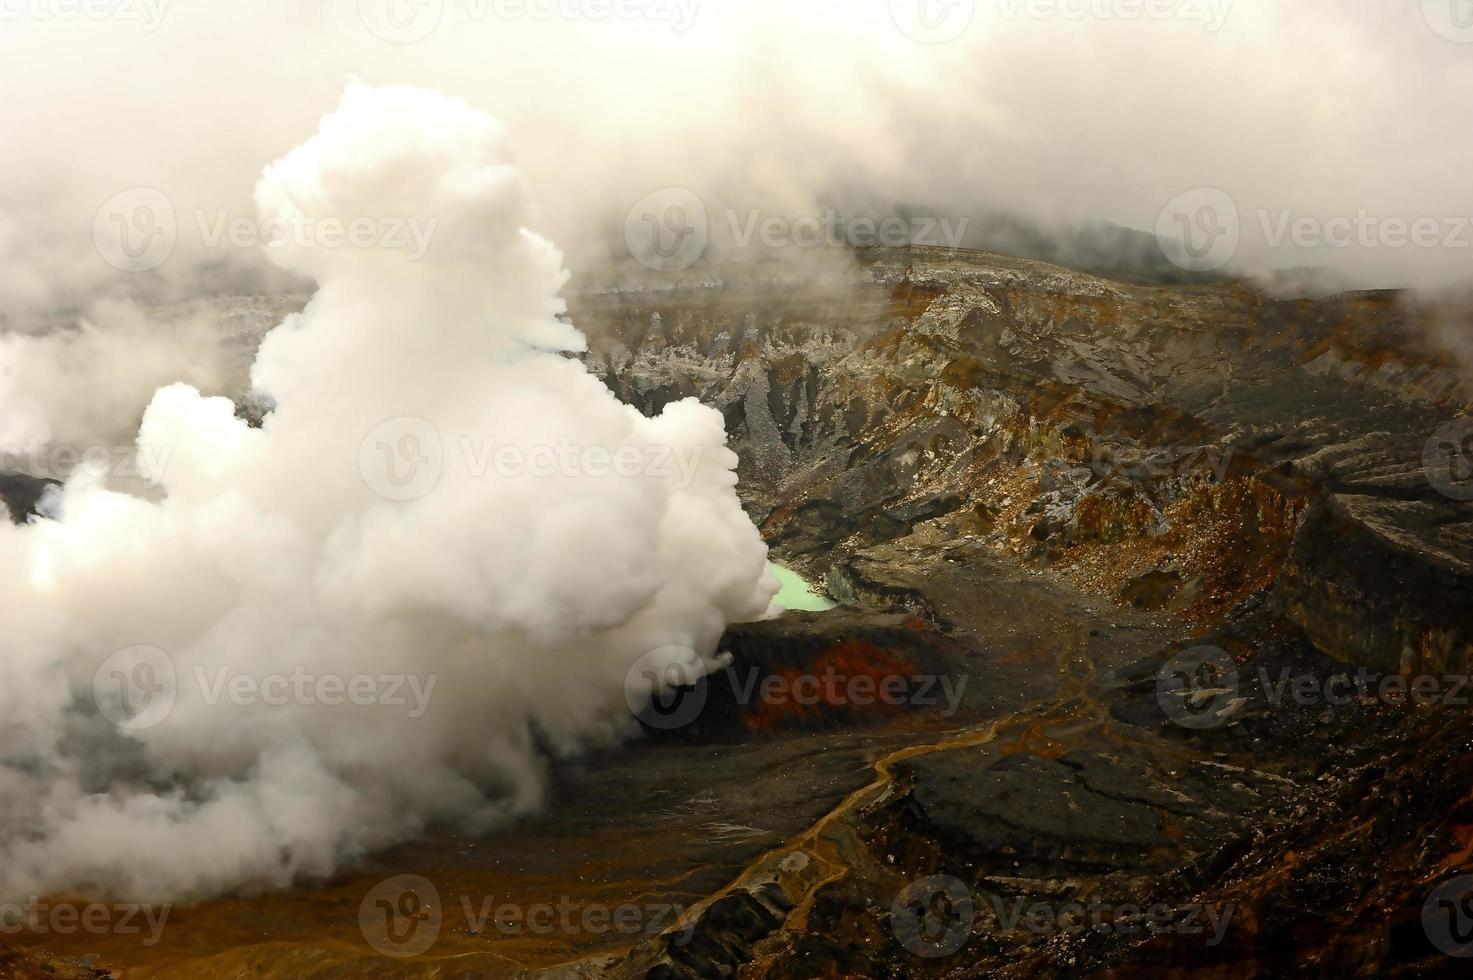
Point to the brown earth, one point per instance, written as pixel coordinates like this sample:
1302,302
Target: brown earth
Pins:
1046,489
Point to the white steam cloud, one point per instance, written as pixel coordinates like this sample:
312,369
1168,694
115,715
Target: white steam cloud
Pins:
480,623
1058,113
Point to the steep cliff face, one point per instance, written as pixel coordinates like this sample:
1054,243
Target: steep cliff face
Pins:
1181,448
1086,480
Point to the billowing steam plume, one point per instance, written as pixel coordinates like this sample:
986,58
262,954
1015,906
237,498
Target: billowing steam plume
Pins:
430,514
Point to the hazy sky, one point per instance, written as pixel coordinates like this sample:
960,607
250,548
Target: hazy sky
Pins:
1350,115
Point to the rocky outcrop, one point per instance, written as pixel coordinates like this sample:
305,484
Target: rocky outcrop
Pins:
827,671
1384,583
1162,445
1273,480
20,494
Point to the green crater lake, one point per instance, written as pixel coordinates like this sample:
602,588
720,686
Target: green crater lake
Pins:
796,594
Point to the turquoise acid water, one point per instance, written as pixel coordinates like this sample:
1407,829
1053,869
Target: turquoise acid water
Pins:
796,594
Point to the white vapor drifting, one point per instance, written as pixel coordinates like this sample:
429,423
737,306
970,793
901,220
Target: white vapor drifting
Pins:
1058,113
514,606
86,388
